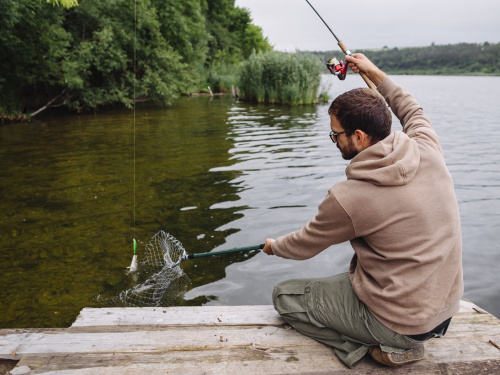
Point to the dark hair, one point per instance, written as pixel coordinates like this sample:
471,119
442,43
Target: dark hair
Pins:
363,109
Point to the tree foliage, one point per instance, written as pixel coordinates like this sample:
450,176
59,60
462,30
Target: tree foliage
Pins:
64,3
115,52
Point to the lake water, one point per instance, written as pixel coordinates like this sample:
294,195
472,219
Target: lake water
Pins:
216,175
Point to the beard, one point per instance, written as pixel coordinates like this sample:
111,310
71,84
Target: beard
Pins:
349,151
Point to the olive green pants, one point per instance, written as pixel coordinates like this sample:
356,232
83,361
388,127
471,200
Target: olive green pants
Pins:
328,310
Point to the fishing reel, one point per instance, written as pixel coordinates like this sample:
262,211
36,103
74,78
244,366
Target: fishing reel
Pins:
337,67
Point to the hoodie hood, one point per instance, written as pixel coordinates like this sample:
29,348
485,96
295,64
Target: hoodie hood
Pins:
391,162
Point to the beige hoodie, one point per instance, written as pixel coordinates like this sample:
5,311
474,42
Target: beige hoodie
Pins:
399,211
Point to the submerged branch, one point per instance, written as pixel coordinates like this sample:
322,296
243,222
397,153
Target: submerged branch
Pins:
140,99
50,103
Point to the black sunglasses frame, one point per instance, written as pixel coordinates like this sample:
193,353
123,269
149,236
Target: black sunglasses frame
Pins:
334,135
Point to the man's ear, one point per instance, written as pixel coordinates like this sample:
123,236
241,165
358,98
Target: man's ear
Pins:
361,139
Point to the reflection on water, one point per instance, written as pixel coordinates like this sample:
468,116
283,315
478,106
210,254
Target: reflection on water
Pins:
215,174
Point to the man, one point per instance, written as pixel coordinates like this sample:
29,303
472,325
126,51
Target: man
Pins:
399,211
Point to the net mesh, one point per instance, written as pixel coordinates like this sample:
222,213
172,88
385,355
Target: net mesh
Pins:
157,273
162,251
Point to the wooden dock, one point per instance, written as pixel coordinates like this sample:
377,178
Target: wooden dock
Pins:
226,340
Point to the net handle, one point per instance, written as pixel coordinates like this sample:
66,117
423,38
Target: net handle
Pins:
228,251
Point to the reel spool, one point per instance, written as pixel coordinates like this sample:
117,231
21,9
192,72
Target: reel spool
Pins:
337,68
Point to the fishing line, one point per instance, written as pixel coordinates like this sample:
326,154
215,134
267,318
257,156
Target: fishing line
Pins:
135,55
134,258
133,265
321,18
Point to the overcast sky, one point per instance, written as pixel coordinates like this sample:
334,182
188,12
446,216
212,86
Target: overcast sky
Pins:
292,25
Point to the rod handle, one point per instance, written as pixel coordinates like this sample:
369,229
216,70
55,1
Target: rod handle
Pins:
369,83
344,48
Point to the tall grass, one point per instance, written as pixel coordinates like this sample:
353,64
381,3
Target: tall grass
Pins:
278,77
220,77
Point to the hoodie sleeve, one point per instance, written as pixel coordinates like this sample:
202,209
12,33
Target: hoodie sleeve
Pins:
331,225
411,115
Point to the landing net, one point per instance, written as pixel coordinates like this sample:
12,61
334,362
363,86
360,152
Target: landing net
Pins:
155,276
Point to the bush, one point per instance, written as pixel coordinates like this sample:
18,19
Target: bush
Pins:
277,77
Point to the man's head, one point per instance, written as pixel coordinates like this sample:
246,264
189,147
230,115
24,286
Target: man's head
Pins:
361,118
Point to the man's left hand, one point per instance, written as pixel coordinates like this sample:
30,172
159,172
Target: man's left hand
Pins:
267,247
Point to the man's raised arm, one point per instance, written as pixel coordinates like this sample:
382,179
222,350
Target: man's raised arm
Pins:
411,115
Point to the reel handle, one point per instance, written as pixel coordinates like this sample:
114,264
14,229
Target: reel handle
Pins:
363,75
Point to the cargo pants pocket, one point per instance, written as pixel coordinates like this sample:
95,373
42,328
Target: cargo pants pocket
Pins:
288,297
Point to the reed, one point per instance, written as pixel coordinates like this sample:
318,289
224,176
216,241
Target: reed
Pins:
278,77
222,76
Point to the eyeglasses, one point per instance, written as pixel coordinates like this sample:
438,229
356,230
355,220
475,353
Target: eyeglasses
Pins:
334,136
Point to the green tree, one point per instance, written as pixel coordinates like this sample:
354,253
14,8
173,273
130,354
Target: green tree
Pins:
115,52
253,40
232,39
112,48
64,3
32,44
182,24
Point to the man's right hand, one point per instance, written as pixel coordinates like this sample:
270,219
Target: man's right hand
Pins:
360,63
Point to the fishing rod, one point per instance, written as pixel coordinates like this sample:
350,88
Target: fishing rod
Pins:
339,68
213,253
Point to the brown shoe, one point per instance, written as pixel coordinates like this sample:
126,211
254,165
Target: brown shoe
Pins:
396,359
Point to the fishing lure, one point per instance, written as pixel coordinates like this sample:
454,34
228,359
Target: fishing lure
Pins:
133,265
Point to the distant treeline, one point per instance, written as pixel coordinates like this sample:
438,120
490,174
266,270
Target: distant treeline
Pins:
456,59
102,53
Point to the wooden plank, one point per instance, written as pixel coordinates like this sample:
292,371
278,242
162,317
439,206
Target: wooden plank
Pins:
198,315
206,315
14,346
465,325
467,306
224,361
468,321
305,361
